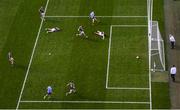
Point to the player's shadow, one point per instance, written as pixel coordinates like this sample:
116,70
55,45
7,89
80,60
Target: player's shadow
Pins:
94,40
177,47
23,67
177,81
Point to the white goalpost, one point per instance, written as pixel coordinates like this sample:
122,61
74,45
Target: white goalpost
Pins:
157,49
156,43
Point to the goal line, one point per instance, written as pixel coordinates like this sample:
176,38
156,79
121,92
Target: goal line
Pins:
110,102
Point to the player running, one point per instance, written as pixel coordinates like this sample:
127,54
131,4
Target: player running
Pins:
92,17
42,12
10,58
81,32
51,30
49,92
100,34
71,87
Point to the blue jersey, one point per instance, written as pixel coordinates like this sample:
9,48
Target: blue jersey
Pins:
92,15
49,89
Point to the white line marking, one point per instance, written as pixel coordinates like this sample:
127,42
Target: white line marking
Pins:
32,55
109,54
149,6
118,102
127,88
96,16
129,25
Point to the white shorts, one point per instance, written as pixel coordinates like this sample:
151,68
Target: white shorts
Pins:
81,33
42,14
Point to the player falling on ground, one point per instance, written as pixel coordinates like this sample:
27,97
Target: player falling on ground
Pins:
49,92
42,13
71,87
93,17
51,30
100,34
81,32
10,58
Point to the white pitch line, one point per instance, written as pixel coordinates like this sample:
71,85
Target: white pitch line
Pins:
129,25
109,54
96,16
149,6
32,55
114,102
127,88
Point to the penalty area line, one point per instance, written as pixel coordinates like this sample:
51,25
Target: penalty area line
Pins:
114,102
129,25
127,88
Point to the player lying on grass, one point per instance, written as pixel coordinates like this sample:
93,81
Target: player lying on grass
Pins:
81,32
71,88
50,30
100,34
42,12
93,17
49,92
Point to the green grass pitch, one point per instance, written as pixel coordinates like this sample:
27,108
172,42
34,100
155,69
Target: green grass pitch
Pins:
106,72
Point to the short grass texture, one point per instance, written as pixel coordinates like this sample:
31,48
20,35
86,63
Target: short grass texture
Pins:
106,72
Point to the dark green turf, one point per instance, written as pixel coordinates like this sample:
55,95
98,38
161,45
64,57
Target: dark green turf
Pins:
19,27
125,70
85,60
72,58
102,8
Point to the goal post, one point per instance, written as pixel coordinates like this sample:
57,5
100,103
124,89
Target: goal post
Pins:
155,41
157,48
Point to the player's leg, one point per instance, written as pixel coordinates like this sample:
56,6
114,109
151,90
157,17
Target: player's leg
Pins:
74,90
45,96
42,16
70,92
83,34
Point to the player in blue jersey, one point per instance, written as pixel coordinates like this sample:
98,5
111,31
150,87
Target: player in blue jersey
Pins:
49,92
92,17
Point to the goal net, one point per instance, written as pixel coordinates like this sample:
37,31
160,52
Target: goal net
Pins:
157,49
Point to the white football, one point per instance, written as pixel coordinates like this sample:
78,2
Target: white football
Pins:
137,57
